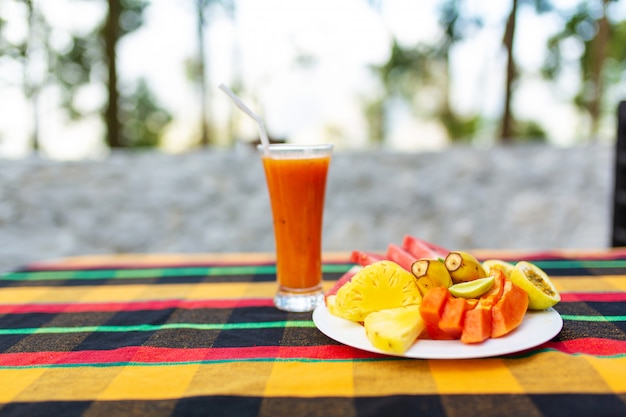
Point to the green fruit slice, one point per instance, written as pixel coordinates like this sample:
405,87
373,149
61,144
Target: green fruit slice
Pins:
542,293
472,289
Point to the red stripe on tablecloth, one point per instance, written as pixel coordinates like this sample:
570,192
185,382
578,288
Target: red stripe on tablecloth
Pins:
157,355
593,296
223,303
152,355
590,345
133,306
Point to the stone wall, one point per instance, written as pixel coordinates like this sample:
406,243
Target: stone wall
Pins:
523,197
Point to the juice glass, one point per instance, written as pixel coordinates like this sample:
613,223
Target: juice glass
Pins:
296,180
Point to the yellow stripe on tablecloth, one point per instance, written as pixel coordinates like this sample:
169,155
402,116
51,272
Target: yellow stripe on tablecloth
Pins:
150,383
612,370
22,295
263,378
619,282
236,378
393,377
233,290
310,379
139,292
546,373
482,376
557,372
597,283
15,381
80,383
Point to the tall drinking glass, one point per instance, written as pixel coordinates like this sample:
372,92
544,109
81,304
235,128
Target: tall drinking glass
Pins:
296,180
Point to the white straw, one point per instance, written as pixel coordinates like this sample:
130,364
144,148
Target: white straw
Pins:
259,122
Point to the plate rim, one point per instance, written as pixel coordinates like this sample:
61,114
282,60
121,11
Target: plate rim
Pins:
353,334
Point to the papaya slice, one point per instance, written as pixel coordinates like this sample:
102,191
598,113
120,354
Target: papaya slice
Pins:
431,309
453,316
491,297
476,325
508,313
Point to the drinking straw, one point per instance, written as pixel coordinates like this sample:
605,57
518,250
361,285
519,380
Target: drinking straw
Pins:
259,122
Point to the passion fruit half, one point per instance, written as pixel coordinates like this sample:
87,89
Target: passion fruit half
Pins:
542,294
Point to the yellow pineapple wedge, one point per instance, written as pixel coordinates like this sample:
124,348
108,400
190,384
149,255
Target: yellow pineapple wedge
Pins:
378,286
394,330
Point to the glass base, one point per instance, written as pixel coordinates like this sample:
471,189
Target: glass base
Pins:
298,303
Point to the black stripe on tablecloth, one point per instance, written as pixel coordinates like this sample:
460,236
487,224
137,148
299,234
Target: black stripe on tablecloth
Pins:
484,405
604,308
170,338
596,320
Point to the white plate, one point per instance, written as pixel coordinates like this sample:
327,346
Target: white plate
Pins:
538,327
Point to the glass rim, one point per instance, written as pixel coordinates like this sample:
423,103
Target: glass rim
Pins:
293,147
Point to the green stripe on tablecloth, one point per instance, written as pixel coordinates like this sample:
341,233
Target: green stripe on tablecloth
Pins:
155,272
204,362
223,326
229,270
578,264
157,327
592,318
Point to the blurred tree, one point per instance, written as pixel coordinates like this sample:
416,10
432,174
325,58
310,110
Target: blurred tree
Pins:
601,62
198,67
31,53
411,70
85,60
123,17
143,119
456,27
508,129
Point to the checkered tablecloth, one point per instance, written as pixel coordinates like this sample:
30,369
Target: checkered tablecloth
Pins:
197,335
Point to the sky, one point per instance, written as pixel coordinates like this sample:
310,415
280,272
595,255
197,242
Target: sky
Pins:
301,103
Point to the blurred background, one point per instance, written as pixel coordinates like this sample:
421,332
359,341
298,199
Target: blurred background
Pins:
469,123
81,77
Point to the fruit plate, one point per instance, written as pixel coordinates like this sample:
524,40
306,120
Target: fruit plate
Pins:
538,327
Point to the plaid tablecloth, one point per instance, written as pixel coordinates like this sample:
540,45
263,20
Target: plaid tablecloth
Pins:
197,335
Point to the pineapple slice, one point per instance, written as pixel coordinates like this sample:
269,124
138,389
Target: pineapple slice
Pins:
331,304
378,286
394,330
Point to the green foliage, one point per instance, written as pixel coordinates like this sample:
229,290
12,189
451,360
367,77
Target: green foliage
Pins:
460,128
597,61
141,118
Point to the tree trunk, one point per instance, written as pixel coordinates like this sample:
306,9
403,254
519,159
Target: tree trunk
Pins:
204,107
598,57
31,86
111,36
507,127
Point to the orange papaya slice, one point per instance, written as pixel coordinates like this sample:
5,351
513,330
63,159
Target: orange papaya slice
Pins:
476,325
508,313
491,297
431,309
453,316
478,321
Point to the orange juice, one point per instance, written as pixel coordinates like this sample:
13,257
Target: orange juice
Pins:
296,180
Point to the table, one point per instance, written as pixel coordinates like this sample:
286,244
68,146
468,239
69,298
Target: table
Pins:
187,335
